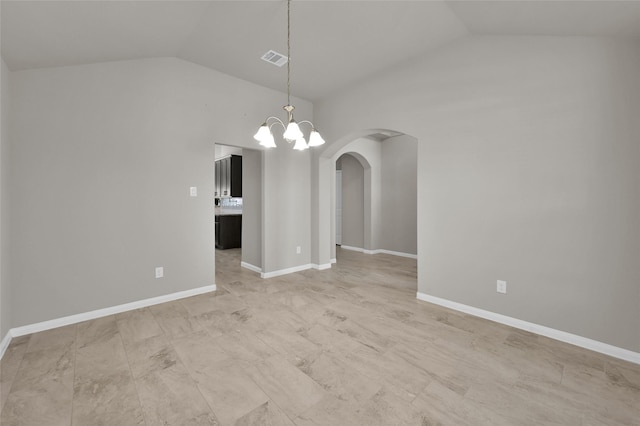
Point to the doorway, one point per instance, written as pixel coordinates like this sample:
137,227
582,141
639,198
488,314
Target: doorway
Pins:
242,210
338,204
386,171
350,202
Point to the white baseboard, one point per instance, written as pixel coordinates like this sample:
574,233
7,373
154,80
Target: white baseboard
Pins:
295,269
333,260
286,271
359,249
74,319
378,251
321,267
251,267
552,333
397,253
6,341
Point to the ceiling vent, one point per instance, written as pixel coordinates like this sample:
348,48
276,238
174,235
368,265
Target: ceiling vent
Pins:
275,58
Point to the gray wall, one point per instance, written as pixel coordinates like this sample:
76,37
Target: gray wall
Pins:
352,202
527,172
286,219
399,194
103,158
5,288
252,207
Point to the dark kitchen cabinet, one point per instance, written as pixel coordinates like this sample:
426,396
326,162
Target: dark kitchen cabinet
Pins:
228,231
217,176
229,177
224,177
234,176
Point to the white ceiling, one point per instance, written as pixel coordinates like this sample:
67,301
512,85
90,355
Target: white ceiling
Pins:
334,43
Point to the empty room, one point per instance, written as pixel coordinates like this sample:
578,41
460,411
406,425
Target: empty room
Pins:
298,212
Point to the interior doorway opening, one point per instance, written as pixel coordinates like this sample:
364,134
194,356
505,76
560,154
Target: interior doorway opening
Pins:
373,195
350,202
238,206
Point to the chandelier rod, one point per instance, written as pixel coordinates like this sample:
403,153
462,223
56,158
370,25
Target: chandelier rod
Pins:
288,52
292,132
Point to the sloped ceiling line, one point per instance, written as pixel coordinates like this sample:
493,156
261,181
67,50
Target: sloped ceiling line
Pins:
334,43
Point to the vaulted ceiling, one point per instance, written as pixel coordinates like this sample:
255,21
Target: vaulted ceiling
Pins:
334,43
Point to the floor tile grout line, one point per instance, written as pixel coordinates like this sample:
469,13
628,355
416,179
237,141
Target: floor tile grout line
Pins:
267,393
75,364
14,376
135,382
270,399
191,376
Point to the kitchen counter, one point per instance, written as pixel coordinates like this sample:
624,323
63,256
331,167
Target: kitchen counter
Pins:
227,211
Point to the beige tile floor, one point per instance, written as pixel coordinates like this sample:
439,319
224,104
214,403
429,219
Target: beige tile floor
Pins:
346,346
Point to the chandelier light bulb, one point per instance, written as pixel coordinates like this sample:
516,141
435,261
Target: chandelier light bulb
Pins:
268,141
315,139
300,145
293,132
262,132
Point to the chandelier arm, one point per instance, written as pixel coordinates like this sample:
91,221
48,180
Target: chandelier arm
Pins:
276,121
307,122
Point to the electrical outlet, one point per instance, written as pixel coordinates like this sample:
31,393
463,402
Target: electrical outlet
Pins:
193,191
298,250
501,287
159,272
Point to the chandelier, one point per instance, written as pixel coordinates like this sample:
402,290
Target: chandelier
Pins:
292,132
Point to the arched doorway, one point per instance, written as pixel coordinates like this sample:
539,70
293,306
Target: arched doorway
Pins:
387,176
350,201
363,156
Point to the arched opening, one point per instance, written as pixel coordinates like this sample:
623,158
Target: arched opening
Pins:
350,227
363,167
388,161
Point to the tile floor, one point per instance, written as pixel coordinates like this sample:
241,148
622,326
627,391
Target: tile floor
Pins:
346,346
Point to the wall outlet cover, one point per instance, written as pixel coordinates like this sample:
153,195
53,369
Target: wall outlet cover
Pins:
193,191
501,287
159,272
